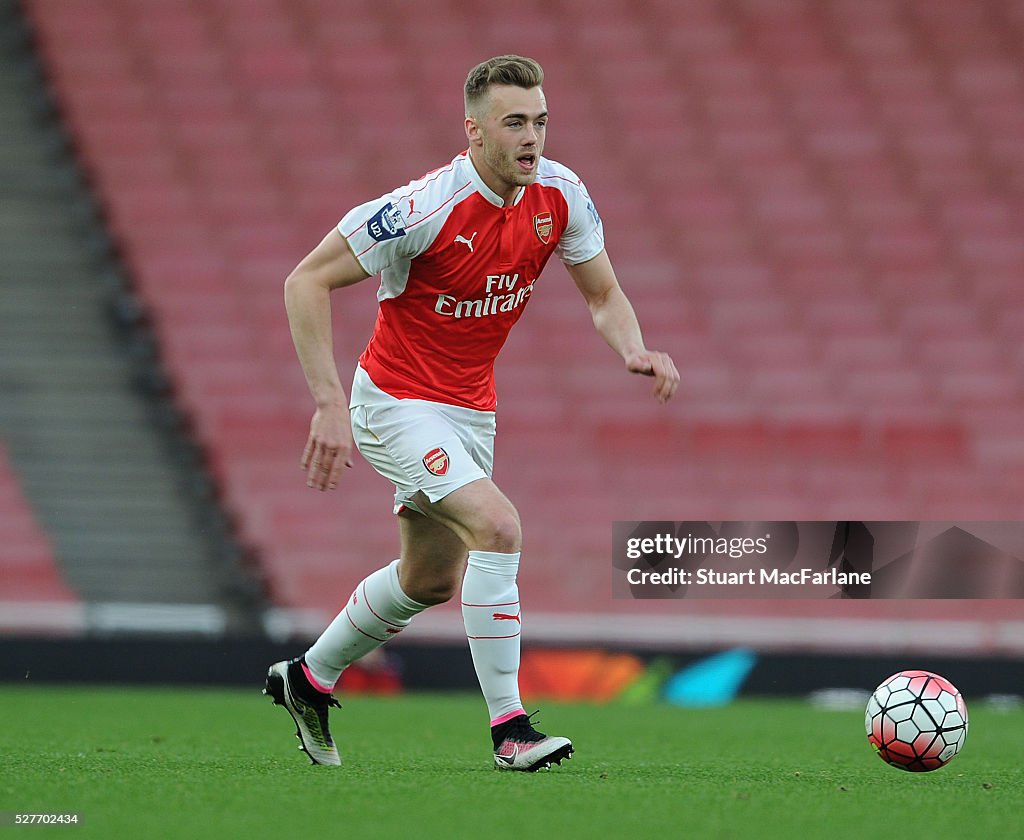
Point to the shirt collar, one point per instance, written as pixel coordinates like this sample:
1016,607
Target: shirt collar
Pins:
485,190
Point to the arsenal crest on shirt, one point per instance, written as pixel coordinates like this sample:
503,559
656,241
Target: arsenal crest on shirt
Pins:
436,460
542,224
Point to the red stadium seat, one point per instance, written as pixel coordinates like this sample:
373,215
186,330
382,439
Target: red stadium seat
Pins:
817,209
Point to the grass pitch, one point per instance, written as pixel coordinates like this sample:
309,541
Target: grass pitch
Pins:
217,764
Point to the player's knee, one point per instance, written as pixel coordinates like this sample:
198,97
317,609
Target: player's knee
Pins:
502,533
434,591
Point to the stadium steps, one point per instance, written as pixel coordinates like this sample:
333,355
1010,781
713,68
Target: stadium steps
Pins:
27,565
113,488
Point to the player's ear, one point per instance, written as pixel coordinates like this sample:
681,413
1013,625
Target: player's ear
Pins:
473,130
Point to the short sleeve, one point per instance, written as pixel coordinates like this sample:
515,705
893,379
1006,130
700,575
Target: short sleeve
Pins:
376,232
583,237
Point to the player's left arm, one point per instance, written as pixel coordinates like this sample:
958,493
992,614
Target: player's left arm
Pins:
616,321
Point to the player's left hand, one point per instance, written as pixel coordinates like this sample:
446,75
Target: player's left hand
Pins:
658,365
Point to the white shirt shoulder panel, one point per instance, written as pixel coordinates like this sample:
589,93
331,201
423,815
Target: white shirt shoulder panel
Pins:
387,233
583,237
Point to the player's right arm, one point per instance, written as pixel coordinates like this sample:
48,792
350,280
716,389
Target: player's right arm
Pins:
307,294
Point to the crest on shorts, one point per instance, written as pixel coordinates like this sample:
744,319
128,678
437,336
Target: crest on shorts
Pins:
436,460
543,224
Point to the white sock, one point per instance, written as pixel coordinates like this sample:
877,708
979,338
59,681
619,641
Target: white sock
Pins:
377,611
490,610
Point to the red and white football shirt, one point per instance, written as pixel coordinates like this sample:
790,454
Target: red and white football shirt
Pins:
457,268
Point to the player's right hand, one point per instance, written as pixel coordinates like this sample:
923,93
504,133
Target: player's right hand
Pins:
328,448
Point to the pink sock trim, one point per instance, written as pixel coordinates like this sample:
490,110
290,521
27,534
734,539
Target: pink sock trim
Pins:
313,682
499,720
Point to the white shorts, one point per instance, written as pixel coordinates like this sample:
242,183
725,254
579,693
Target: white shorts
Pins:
420,445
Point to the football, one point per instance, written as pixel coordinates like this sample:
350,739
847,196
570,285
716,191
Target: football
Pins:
916,720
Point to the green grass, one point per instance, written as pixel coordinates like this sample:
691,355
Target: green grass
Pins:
204,764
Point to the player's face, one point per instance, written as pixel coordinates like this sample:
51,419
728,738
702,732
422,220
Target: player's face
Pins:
507,138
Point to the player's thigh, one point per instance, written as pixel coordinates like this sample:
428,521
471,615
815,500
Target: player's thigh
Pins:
480,514
433,558
428,543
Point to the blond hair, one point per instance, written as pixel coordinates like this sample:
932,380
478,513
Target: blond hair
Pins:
501,70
